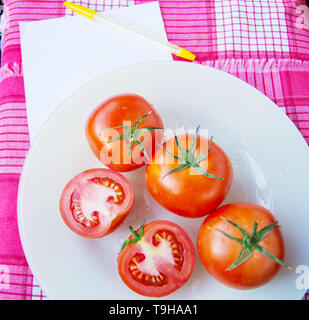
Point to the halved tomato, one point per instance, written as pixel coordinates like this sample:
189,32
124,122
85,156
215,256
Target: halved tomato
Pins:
95,202
157,259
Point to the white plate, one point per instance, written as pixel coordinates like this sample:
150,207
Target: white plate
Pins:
269,156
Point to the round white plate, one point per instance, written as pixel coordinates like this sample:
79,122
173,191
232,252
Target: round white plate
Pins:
269,156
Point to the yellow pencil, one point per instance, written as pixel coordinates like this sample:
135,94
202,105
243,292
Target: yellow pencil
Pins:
92,14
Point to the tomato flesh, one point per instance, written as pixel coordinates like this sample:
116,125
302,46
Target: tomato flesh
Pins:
144,278
95,202
160,263
99,188
79,215
139,265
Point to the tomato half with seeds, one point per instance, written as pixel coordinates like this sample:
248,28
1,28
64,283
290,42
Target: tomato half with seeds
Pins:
190,175
95,202
123,132
240,245
157,259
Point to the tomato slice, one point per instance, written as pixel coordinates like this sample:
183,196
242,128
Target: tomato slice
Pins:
160,261
95,202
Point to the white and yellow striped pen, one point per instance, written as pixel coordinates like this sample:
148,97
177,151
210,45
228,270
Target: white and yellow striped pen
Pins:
92,14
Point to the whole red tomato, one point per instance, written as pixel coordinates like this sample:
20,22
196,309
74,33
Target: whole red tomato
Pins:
95,202
190,175
157,259
241,246
123,132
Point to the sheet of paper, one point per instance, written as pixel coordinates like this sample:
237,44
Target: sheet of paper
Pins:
60,55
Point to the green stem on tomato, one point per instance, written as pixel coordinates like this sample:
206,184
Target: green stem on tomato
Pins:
132,134
251,242
136,236
188,159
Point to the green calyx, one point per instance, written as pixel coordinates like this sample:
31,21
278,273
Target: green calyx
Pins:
136,237
251,242
188,159
132,134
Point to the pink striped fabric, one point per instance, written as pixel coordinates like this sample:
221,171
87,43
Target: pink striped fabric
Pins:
263,42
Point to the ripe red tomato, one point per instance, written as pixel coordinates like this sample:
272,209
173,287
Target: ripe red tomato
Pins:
95,202
194,190
123,132
157,260
256,253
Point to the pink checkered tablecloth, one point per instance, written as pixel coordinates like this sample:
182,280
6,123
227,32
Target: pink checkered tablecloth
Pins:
263,42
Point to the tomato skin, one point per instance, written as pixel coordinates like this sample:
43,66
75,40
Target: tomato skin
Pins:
107,225
114,112
217,252
176,278
187,194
